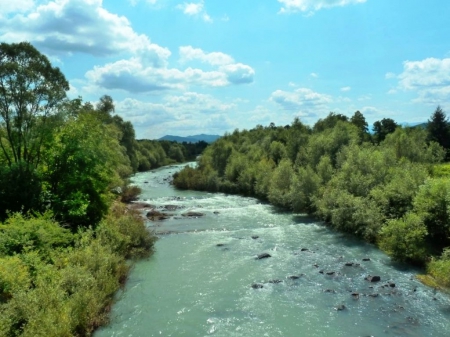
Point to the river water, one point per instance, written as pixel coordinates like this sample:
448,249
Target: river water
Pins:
204,278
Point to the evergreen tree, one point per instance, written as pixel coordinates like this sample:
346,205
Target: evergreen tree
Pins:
439,129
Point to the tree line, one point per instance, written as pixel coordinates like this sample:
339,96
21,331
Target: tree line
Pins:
390,187
65,238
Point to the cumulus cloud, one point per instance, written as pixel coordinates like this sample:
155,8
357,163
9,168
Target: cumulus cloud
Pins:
8,6
344,89
311,6
188,53
195,9
430,78
238,73
303,101
132,76
68,26
183,114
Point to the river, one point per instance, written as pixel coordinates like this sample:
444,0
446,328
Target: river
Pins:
205,279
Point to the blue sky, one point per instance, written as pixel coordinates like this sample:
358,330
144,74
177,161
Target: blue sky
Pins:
212,66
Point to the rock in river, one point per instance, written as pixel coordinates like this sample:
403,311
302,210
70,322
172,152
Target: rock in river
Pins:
263,256
193,214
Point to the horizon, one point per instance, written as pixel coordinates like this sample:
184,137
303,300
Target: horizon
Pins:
209,67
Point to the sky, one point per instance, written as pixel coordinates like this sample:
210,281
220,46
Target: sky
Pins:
212,66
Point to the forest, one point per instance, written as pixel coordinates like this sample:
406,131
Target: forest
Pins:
389,187
66,237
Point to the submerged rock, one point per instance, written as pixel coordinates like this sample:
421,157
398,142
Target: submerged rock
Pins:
257,286
172,207
355,295
373,278
155,215
254,237
340,307
295,277
192,214
263,256
275,281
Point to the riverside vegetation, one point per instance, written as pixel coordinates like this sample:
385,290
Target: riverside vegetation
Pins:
390,187
65,237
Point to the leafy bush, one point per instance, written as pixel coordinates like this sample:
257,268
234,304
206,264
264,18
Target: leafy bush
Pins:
124,231
22,233
130,193
404,239
440,269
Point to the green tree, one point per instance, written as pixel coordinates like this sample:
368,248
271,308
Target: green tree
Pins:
382,128
30,91
439,129
404,239
329,122
359,121
80,169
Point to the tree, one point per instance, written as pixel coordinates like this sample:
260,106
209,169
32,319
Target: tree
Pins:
439,129
329,122
30,91
382,128
359,120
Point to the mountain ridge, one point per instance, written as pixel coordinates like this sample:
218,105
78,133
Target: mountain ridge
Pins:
191,139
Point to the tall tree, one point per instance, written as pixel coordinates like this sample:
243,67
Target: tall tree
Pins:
382,128
359,120
30,90
329,122
438,128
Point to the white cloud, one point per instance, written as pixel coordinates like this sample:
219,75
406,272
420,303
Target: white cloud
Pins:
68,26
314,75
311,6
133,76
188,53
185,114
195,9
344,89
10,6
137,75
303,101
238,73
389,76
430,78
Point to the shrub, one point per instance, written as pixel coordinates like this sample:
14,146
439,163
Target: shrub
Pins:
22,233
440,269
130,193
404,239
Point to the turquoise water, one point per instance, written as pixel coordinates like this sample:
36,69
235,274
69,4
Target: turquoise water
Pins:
199,281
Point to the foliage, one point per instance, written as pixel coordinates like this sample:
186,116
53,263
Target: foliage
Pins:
382,128
438,128
30,90
404,239
440,269
80,170
432,203
19,234
62,284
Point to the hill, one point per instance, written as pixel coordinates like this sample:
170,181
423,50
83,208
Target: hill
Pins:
191,139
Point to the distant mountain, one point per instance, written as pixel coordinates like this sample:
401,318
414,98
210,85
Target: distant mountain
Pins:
191,139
